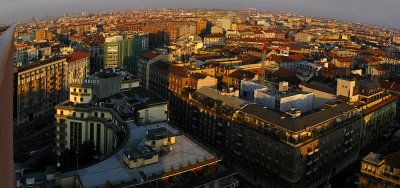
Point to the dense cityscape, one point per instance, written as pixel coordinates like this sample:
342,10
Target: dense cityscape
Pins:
203,98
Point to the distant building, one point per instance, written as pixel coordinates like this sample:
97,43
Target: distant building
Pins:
143,67
122,52
224,23
303,37
214,39
43,34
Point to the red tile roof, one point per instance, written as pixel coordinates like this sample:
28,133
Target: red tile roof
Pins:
345,59
77,56
150,54
290,58
240,74
283,72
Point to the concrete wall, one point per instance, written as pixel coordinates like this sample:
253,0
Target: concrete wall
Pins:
6,103
153,114
320,97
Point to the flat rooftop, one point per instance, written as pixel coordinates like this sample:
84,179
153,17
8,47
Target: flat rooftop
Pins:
185,155
142,93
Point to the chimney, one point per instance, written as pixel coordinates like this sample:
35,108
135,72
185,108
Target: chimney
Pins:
283,86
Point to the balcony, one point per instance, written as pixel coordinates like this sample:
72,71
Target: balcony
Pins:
59,116
62,125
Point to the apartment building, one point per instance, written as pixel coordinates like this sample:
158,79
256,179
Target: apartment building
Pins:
289,62
98,108
120,51
282,150
143,67
165,78
214,40
43,34
38,88
77,67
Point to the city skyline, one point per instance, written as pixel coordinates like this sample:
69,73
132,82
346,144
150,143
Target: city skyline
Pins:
195,97
368,12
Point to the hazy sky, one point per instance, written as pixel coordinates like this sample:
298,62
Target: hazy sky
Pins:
379,12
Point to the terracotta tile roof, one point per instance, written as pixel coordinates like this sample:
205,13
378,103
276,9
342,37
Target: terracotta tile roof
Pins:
77,56
379,67
218,35
370,60
290,58
240,74
198,76
178,71
77,36
283,72
150,54
380,105
373,52
248,58
259,71
345,59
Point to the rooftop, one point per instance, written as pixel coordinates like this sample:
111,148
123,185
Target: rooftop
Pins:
142,93
77,56
233,102
40,63
301,123
185,155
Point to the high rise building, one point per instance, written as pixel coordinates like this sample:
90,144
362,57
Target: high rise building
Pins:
6,98
120,51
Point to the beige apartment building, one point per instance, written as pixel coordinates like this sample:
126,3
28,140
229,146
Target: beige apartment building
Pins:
98,108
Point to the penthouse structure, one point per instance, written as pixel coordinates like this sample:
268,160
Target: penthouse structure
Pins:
380,170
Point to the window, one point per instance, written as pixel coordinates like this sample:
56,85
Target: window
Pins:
74,89
80,90
62,112
82,115
74,99
95,114
102,115
85,90
81,99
